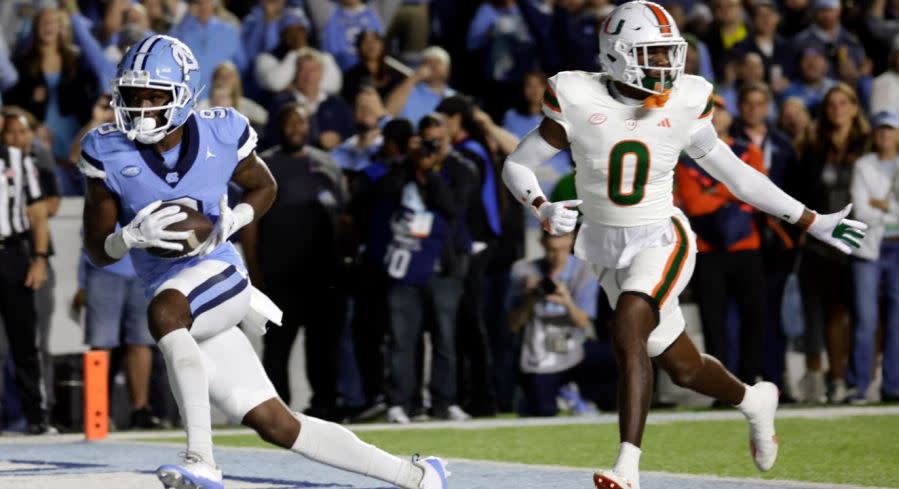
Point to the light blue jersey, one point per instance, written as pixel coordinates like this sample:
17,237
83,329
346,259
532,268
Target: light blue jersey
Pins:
214,141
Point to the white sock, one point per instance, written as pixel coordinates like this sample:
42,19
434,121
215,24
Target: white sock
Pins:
190,385
334,445
749,404
628,464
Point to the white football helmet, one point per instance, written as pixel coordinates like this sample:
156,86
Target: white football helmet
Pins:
632,28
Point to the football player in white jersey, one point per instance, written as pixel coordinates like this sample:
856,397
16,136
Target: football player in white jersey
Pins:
626,128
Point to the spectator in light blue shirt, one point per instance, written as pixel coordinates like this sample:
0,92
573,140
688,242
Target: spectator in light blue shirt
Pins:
527,116
211,40
261,28
338,36
420,94
357,151
814,83
827,35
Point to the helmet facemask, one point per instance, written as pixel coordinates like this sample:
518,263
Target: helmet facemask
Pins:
138,122
637,74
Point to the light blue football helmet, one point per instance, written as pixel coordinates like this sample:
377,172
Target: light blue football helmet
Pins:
159,62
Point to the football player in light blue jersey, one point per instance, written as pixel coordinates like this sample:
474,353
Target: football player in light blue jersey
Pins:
159,151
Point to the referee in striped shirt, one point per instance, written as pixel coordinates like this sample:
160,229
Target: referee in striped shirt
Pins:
24,242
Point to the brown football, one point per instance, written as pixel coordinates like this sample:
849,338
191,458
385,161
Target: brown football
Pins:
199,225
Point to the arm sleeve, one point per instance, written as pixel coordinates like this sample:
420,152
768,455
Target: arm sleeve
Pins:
518,170
746,183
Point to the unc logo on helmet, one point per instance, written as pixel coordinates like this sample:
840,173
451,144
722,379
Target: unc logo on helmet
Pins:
628,36
163,63
184,58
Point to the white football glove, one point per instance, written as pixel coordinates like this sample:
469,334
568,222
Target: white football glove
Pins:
147,229
558,218
837,231
230,220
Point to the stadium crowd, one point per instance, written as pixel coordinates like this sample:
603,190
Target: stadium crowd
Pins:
367,248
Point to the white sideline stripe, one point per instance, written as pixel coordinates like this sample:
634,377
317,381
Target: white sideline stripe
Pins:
654,418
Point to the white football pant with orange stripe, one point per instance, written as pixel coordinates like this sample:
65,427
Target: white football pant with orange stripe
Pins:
655,261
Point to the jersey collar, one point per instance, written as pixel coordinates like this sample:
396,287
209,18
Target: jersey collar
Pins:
186,157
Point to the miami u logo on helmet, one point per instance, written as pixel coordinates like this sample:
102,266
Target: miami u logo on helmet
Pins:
617,28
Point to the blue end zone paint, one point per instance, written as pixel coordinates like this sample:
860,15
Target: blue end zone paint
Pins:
274,469
278,482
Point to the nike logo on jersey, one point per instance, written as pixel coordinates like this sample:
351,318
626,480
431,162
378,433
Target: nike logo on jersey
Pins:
664,123
209,154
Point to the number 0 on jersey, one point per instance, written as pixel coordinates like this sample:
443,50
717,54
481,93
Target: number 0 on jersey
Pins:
616,171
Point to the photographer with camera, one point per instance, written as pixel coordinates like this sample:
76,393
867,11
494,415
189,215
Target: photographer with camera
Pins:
415,224
553,300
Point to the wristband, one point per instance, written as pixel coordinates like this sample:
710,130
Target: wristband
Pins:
115,245
243,215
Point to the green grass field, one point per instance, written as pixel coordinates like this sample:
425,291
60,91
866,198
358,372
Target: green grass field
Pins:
852,450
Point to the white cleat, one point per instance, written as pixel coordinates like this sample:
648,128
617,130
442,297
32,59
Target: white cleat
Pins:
435,473
609,479
762,437
192,473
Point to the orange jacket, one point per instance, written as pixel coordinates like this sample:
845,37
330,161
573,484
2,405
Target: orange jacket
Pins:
700,196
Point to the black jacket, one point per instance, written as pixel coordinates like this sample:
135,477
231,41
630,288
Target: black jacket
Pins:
77,93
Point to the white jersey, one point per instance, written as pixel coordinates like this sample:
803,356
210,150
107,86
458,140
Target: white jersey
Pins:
625,155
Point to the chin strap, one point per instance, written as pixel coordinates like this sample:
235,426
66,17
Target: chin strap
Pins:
656,101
